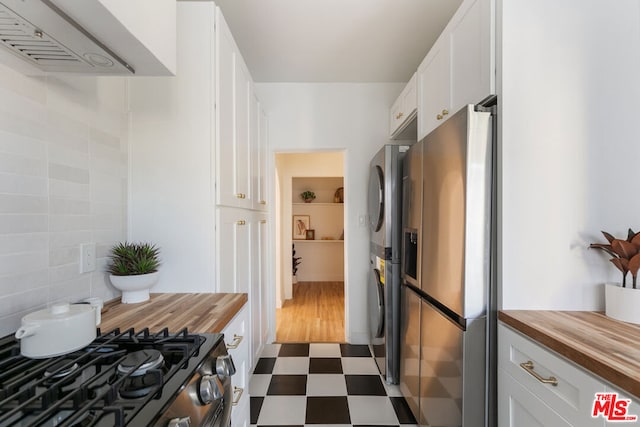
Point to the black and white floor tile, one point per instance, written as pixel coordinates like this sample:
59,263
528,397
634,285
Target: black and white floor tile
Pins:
323,384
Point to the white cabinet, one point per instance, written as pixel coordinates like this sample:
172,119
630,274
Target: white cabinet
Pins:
236,335
403,112
526,393
460,67
257,296
258,143
233,243
233,83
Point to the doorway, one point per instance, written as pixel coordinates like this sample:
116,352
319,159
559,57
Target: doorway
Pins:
310,247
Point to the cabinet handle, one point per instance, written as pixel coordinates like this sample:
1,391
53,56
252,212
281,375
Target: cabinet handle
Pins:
262,202
528,366
237,391
399,115
439,116
445,112
240,195
241,222
237,339
263,221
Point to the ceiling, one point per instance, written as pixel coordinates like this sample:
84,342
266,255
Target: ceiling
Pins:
335,40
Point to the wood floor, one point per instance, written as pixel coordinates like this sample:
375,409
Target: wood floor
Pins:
314,314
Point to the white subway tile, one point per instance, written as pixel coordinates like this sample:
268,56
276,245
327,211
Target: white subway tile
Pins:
22,263
17,243
16,123
25,223
71,290
10,323
69,207
29,87
62,155
106,221
19,184
69,238
22,145
10,163
104,138
105,189
67,173
14,203
70,190
69,222
62,256
22,282
64,272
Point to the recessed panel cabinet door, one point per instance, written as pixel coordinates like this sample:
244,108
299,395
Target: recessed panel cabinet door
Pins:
434,88
243,99
263,140
233,246
257,297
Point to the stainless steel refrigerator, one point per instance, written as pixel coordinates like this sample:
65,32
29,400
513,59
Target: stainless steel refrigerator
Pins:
446,327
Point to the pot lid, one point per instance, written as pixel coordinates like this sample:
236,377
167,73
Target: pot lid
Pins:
58,311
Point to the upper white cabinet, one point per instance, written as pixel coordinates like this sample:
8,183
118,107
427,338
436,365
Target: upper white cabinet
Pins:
239,149
403,112
459,69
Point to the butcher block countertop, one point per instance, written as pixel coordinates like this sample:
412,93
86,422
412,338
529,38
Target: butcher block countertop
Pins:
200,313
606,347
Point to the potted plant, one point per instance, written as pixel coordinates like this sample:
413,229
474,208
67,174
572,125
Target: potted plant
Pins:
622,302
294,264
308,196
133,269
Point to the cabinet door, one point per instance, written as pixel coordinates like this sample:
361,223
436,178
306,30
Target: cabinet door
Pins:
257,160
243,100
233,234
434,87
518,407
225,114
472,59
236,335
262,160
257,298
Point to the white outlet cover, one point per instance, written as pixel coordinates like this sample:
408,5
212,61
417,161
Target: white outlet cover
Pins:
87,257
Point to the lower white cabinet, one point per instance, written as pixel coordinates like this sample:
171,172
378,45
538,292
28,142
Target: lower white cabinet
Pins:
527,395
236,338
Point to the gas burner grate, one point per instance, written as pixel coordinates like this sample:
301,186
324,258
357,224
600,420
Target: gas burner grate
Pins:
34,392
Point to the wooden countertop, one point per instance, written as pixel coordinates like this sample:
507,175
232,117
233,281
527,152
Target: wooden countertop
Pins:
604,346
202,313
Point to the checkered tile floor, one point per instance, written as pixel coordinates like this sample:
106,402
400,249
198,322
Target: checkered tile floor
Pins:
302,384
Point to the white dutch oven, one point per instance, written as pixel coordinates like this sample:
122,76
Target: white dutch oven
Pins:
59,329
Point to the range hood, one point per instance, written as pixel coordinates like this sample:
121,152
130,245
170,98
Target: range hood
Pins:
44,35
91,37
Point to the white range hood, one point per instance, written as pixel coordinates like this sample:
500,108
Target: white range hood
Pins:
97,37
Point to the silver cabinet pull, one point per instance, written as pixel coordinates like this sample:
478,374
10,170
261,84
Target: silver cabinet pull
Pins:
237,391
237,339
528,366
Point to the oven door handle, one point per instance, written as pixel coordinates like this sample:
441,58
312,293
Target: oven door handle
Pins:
237,339
237,394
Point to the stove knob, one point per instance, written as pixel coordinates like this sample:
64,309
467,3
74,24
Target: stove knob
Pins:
210,389
180,422
225,366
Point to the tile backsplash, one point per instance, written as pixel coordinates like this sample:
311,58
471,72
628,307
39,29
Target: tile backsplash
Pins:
63,182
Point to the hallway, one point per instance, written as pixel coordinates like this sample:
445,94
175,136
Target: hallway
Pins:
314,314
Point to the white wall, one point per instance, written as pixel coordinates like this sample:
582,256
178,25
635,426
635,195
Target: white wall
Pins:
172,159
569,110
334,117
63,182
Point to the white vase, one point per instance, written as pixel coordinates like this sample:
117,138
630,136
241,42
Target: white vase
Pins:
294,279
622,303
135,288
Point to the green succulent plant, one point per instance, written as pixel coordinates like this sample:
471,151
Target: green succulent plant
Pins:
130,259
625,254
307,195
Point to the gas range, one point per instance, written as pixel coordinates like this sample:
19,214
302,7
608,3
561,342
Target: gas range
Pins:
128,378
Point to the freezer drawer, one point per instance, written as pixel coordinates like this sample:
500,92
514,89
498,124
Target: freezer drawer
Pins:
452,370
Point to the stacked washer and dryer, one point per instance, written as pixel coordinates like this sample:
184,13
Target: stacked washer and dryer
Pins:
385,222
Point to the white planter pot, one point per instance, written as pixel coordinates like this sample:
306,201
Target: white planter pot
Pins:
135,289
622,303
294,279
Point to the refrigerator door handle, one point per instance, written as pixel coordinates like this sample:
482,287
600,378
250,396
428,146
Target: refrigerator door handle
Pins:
380,303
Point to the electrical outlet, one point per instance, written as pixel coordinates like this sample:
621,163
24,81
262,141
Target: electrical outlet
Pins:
363,220
87,257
